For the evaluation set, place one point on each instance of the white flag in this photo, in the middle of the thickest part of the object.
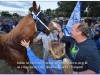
(75, 17)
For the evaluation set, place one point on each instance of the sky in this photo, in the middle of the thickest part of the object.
(21, 7)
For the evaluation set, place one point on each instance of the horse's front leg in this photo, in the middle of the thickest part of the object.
(16, 57)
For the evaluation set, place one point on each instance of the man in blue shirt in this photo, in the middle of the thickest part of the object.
(83, 51)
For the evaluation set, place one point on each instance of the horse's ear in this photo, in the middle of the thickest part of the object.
(34, 7)
(39, 8)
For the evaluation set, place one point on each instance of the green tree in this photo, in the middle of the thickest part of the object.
(68, 6)
(48, 12)
(15, 15)
(6, 13)
(94, 7)
(31, 9)
(65, 8)
(57, 12)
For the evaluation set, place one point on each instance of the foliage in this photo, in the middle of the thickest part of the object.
(31, 9)
(65, 8)
(68, 6)
(7, 14)
(15, 15)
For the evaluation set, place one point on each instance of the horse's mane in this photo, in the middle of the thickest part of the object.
(14, 32)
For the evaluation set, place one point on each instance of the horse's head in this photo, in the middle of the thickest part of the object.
(43, 23)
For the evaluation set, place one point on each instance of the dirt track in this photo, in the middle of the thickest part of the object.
(7, 69)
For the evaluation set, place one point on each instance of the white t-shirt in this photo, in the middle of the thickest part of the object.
(46, 39)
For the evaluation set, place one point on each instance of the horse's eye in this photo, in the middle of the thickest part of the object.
(45, 19)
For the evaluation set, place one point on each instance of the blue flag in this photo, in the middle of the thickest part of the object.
(75, 17)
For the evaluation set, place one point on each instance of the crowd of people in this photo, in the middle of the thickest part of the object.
(7, 25)
(74, 51)
(80, 47)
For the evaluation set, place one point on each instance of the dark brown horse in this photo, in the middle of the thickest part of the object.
(10, 49)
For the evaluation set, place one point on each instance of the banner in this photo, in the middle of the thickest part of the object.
(75, 17)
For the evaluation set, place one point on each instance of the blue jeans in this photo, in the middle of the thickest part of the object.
(45, 54)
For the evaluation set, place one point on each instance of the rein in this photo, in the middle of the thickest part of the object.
(35, 17)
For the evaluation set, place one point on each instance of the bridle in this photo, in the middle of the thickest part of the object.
(36, 18)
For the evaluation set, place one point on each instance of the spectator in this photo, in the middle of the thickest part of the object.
(54, 32)
(1, 28)
(13, 26)
(82, 50)
(96, 38)
(45, 39)
(56, 62)
(91, 23)
(66, 30)
(9, 24)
